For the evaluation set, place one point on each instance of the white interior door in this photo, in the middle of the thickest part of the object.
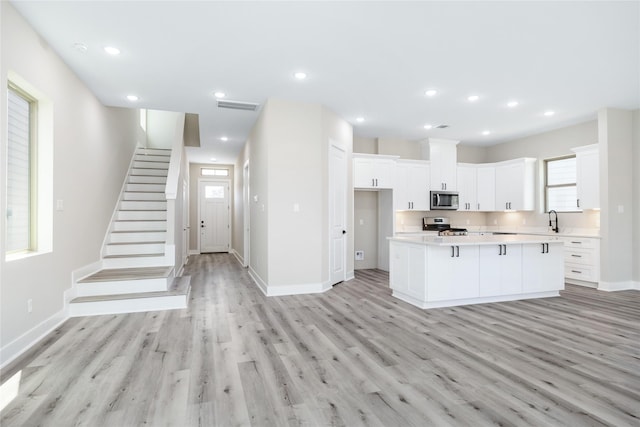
(247, 211)
(337, 213)
(214, 216)
(185, 221)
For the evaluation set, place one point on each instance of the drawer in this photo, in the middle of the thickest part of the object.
(580, 272)
(579, 256)
(579, 242)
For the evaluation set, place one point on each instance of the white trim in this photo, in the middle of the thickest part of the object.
(468, 301)
(26, 341)
(194, 252)
(258, 280)
(178, 273)
(350, 275)
(618, 286)
(301, 289)
(246, 213)
(238, 257)
(85, 271)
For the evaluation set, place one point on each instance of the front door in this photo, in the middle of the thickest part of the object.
(214, 216)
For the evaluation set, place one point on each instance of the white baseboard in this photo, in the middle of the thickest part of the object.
(482, 300)
(24, 342)
(625, 285)
(258, 281)
(305, 288)
(350, 275)
(238, 257)
(194, 252)
(85, 271)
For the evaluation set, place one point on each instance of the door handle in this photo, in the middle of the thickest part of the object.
(344, 231)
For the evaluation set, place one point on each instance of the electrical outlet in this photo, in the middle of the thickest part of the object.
(361, 221)
(29, 305)
(359, 255)
(524, 222)
(495, 222)
(468, 222)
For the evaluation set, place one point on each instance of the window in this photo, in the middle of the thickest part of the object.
(560, 185)
(21, 169)
(214, 172)
(214, 192)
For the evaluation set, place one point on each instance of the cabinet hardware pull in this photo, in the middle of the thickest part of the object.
(505, 249)
(576, 271)
(376, 182)
(577, 243)
(373, 182)
(478, 206)
(458, 251)
(453, 251)
(578, 202)
(543, 248)
(500, 249)
(576, 256)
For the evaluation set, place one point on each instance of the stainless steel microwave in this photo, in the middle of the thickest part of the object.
(444, 200)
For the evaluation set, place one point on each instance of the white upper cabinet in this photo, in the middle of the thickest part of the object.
(467, 187)
(411, 191)
(477, 187)
(372, 171)
(486, 188)
(515, 185)
(443, 162)
(588, 176)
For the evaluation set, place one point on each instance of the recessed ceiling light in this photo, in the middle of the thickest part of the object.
(549, 113)
(219, 94)
(486, 132)
(132, 98)
(213, 159)
(224, 138)
(112, 50)
(428, 126)
(360, 119)
(80, 47)
(512, 104)
(473, 98)
(431, 92)
(300, 75)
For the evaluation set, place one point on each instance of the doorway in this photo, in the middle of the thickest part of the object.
(247, 214)
(214, 216)
(337, 214)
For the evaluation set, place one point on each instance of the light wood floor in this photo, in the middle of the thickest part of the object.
(352, 356)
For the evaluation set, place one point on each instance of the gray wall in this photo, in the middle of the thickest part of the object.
(365, 216)
(92, 148)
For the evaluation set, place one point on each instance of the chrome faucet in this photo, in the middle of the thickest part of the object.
(556, 228)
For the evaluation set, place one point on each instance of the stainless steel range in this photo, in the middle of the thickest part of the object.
(442, 225)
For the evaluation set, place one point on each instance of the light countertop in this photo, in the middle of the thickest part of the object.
(512, 239)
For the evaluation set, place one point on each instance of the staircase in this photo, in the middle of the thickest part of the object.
(135, 274)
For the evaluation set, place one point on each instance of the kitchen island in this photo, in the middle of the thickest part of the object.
(435, 271)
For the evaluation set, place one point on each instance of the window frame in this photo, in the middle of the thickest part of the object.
(33, 169)
(215, 172)
(547, 186)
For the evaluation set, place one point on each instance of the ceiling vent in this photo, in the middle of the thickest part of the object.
(237, 105)
(442, 126)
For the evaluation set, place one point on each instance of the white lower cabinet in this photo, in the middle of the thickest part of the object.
(407, 272)
(542, 267)
(454, 272)
(582, 260)
(500, 270)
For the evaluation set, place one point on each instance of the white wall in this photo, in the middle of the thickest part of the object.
(161, 128)
(92, 148)
(636, 198)
(615, 131)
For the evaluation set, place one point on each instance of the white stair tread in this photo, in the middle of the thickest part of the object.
(180, 286)
(136, 243)
(138, 273)
(133, 256)
(138, 231)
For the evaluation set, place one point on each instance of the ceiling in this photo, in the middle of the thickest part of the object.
(373, 60)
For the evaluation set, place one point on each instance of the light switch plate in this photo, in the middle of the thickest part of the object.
(59, 205)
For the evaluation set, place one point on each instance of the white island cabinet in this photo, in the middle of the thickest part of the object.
(431, 272)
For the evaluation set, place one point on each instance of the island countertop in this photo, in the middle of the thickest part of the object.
(512, 239)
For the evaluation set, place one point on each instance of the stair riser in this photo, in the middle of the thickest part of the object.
(158, 261)
(146, 187)
(139, 225)
(133, 179)
(132, 237)
(154, 172)
(135, 249)
(147, 205)
(141, 215)
(150, 165)
(133, 305)
(128, 195)
(152, 158)
(123, 287)
(154, 152)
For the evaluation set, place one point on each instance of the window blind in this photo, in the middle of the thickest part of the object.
(18, 235)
